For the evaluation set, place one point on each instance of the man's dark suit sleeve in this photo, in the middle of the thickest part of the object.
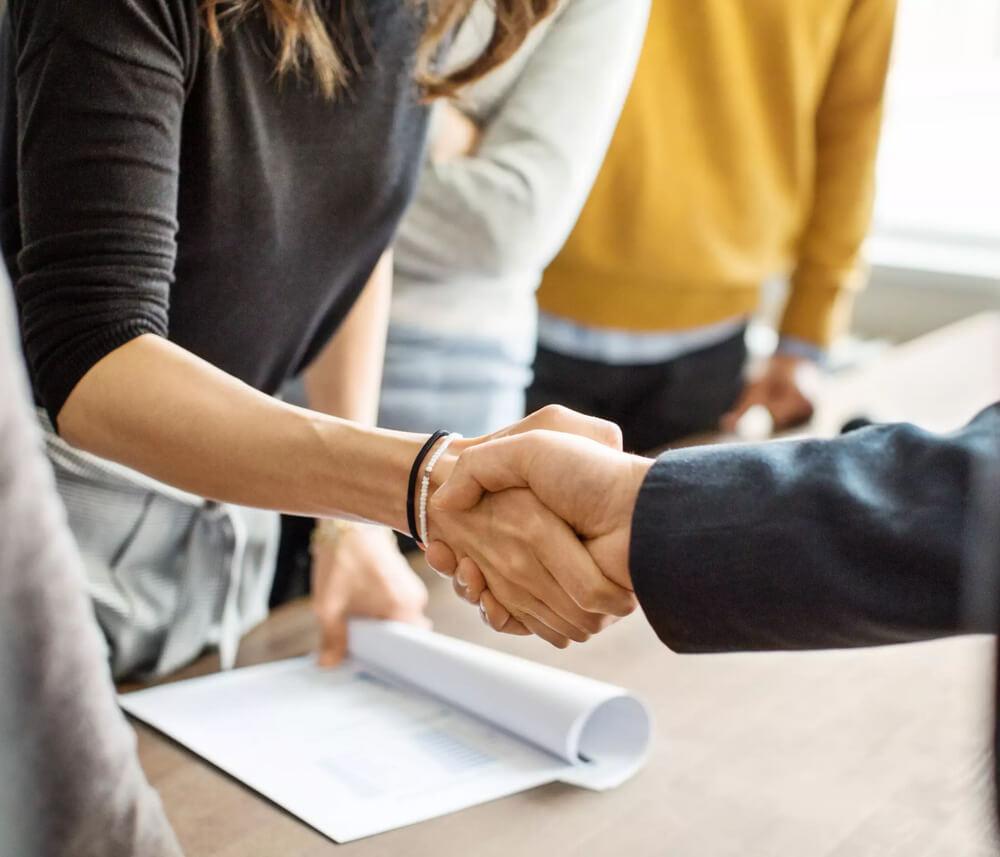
(812, 544)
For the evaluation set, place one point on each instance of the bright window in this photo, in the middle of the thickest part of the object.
(938, 203)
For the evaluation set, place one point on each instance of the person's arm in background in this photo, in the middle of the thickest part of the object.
(829, 273)
(515, 198)
(358, 569)
(811, 544)
(70, 781)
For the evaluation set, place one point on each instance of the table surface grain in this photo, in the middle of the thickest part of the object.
(829, 754)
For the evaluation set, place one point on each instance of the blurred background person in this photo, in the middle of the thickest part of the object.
(510, 161)
(746, 149)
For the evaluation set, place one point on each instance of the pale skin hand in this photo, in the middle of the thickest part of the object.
(592, 488)
(786, 388)
(363, 572)
(454, 135)
(533, 552)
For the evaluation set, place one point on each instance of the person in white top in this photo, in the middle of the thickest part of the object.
(509, 166)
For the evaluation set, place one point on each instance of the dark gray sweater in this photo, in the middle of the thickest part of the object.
(152, 184)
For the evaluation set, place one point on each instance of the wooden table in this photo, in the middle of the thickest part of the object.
(833, 754)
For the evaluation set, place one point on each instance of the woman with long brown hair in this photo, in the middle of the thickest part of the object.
(194, 198)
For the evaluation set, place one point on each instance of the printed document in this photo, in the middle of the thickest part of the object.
(414, 725)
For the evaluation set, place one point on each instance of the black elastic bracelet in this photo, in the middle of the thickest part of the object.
(411, 488)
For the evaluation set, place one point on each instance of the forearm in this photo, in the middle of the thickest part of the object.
(159, 409)
(345, 380)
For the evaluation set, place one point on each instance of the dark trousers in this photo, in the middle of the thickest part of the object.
(655, 404)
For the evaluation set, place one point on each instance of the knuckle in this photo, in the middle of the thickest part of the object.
(625, 604)
(494, 618)
(592, 623)
(518, 614)
(612, 435)
(513, 599)
(584, 595)
(520, 571)
(608, 599)
(555, 414)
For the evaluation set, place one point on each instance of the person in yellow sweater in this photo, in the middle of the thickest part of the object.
(746, 149)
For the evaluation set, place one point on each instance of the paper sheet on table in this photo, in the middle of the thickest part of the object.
(415, 725)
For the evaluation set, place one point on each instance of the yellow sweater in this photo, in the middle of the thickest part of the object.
(746, 148)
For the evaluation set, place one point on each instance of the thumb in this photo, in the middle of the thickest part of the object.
(333, 639)
(493, 466)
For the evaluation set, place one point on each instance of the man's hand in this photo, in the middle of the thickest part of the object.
(453, 134)
(786, 388)
(589, 486)
(360, 572)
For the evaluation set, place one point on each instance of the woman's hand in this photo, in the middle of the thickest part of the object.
(590, 487)
(453, 134)
(357, 570)
(530, 559)
(526, 555)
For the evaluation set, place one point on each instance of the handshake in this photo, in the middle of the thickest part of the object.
(533, 524)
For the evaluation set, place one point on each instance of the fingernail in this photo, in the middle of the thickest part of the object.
(463, 578)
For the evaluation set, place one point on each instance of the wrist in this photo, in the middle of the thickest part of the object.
(360, 473)
(636, 469)
(430, 478)
(794, 349)
(330, 534)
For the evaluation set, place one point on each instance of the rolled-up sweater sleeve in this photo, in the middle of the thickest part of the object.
(100, 91)
(812, 544)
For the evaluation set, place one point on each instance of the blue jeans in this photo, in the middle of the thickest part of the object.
(471, 386)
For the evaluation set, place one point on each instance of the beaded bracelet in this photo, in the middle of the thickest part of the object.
(425, 485)
(411, 488)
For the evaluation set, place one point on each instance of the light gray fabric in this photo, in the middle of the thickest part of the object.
(169, 573)
(471, 249)
(70, 782)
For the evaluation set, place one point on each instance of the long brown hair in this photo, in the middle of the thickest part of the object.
(304, 39)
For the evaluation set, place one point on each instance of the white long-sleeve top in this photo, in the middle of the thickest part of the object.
(471, 249)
